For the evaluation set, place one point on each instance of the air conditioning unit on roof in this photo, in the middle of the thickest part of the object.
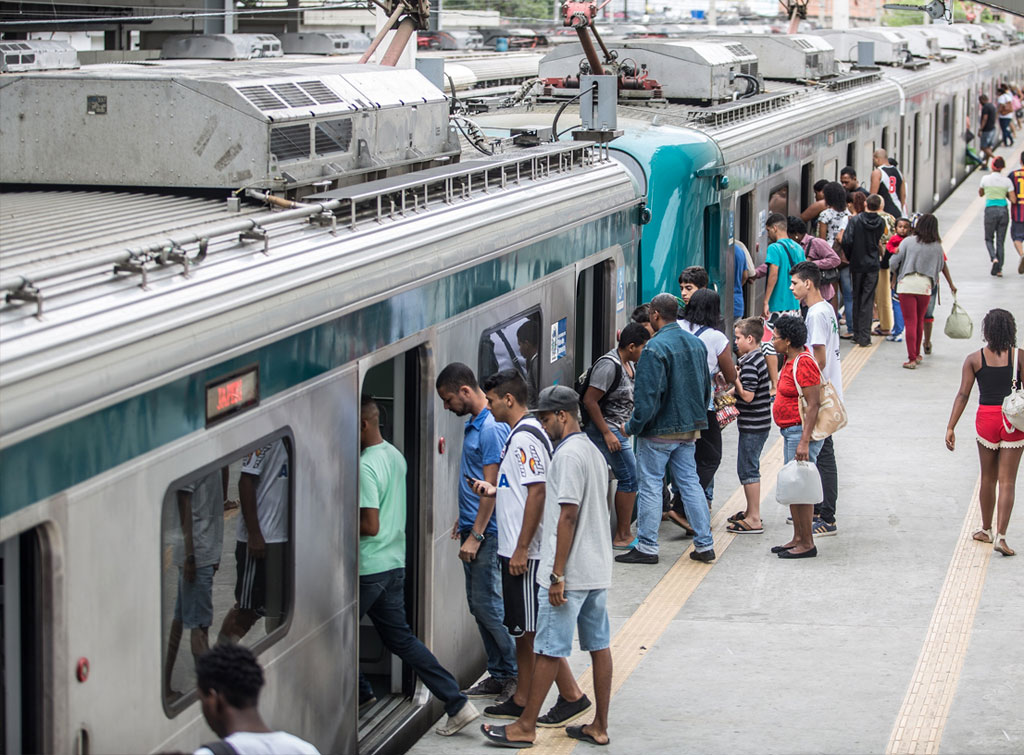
(36, 55)
(324, 43)
(789, 56)
(890, 46)
(222, 46)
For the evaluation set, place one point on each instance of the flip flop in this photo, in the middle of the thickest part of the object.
(742, 528)
(576, 732)
(629, 547)
(737, 517)
(496, 736)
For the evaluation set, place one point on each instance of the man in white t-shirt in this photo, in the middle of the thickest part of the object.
(229, 680)
(261, 542)
(823, 341)
(519, 508)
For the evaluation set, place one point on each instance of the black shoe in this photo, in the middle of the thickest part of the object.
(562, 712)
(705, 556)
(507, 709)
(366, 701)
(636, 557)
(782, 548)
(806, 554)
(489, 687)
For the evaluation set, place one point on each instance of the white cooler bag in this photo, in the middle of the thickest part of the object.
(798, 483)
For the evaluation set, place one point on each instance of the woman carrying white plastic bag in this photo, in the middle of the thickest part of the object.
(800, 367)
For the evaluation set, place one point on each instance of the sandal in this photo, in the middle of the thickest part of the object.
(742, 528)
(928, 348)
(1000, 546)
(737, 517)
(987, 533)
(911, 365)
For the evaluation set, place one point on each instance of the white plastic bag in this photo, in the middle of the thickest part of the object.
(798, 483)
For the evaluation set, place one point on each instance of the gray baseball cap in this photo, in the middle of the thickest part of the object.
(556, 398)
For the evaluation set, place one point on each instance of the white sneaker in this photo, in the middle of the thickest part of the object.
(466, 715)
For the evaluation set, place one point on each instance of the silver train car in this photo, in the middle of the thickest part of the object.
(150, 342)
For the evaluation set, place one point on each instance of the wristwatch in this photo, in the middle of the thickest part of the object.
(556, 580)
(476, 536)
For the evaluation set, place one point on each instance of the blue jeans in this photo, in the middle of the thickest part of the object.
(483, 593)
(791, 439)
(897, 315)
(652, 458)
(382, 596)
(846, 287)
(622, 462)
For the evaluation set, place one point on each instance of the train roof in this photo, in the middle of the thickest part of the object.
(126, 287)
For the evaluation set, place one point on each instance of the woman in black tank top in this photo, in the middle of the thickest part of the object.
(1000, 445)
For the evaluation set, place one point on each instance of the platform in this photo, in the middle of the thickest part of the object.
(902, 636)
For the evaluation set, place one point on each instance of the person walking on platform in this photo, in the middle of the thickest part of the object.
(671, 395)
(1004, 107)
(862, 243)
(800, 369)
(1017, 213)
(987, 127)
(823, 342)
(476, 527)
(915, 268)
(999, 444)
(382, 510)
(999, 193)
(887, 182)
(519, 509)
(574, 575)
(819, 252)
(608, 402)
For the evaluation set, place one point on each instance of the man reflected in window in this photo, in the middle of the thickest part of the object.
(197, 556)
(262, 538)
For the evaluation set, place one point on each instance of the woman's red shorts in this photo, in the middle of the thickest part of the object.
(991, 429)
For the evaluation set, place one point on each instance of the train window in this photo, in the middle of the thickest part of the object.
(514, 343)
(225, 560)
(24, 613)
(595, 313)
(851, 154)
(806, 185)
(885, 137)
(830, 171)
(778, 199)
(946, 125)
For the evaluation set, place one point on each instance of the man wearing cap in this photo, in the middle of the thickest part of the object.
(575, 570)
(671, 393)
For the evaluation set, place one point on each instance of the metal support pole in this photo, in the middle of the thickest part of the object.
(604, 49)
(382, 33)
(590, 51)
(403, 33)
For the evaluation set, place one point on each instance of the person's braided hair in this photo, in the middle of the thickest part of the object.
(999, 330)
(233, 671)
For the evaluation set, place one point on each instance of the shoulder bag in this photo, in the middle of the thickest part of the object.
(1013, 405)
(832, 415)
(958, 324)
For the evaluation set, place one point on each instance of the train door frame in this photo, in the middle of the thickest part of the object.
(936, 150)
(27, 650)
(416, 355)
(587, 274)
(744, 232)
(915, 156)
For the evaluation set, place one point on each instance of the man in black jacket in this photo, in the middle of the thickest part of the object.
(862, 244)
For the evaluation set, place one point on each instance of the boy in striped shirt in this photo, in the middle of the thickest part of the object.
(753, 399)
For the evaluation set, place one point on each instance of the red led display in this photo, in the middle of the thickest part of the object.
(232, 393)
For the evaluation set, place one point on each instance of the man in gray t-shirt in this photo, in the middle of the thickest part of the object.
(575, 569)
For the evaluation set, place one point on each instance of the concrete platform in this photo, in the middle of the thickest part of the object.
(845, 653)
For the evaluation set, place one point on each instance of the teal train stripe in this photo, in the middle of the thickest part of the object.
(67, 455)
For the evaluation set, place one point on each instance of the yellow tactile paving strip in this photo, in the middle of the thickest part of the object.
(922, 717)
(664, 602)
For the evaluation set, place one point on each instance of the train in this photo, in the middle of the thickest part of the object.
(227, 254)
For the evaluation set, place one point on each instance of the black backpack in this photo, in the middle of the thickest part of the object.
(583, 382)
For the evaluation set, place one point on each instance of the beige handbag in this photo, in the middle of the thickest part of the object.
(832, 415)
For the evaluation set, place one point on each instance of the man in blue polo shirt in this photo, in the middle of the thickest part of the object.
(477, 528)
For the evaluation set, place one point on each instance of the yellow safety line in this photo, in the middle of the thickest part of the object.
(922, 717)
(643, 629)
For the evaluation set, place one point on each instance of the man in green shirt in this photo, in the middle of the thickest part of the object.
(382, 471)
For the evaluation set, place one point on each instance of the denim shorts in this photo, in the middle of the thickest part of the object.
(791, 439)
(194, 606)
(586, 610)
(988, 139)
(1017, 230)
(929, 315)
(748, 456)
(622, 462)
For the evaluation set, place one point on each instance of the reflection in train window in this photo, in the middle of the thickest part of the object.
(224, 560)
(778, 199)
(514, 343)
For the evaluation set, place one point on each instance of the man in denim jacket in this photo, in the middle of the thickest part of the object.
(671, 395)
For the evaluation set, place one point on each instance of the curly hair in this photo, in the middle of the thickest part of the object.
(793, 329)
(835, 196)
(233, 671)
(704, 308)
(999, 330)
